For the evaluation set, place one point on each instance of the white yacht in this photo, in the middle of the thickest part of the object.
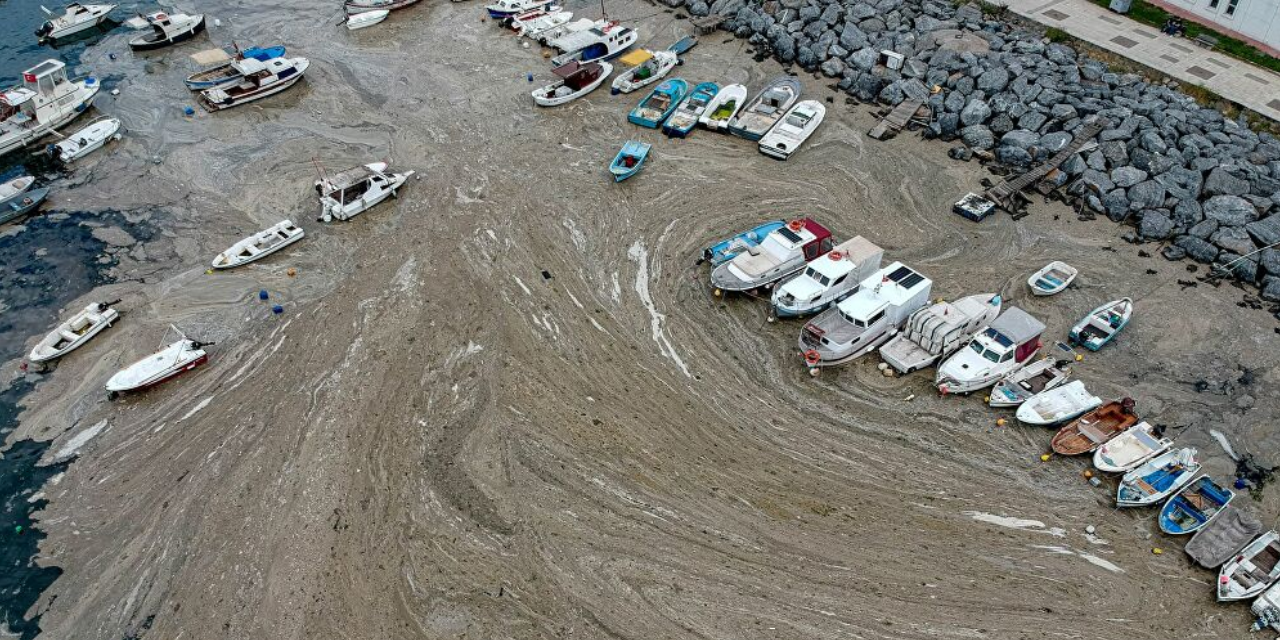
(46, 100)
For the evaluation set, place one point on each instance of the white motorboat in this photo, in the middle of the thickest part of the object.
(724, 107)
(365, 19)
(936, 331)
(14, 188)
(531, 27)
(218, 68)
(46, 101)
(995, 352)
(596, 43)
(1039, 376)
(759, 115)
(647, 67)
(829, 279)
(173, 360)
(507, 8)
(259, 245)
(1058, 405)
(1252, 570)
(349, 193)
(1158, 478)
(166, 29)
(793, 129)
(576, 80)
(353, 7)
(75, 18)
(865, 320)
(1052, 279)
(75, 332)
(87, 140)
(1130, 449)
(261, 78)
(552, 34)
(782, 253)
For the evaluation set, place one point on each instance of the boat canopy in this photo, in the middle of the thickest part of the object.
(349, 178)
(210, 56)
(249, 66)
(1017, 325)
(636, 58)
(567, 69)
(16, 96)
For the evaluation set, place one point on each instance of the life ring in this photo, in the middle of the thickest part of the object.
(795, 225)
(812, 357)
(836, 255)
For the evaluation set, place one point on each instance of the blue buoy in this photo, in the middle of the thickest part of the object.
(1240, 483)
(531, 77)
(111, 55)
(277, 309)
(188, 110)
(262, 295)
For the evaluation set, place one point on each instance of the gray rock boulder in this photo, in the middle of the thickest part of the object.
(1233, 239)
(1270, 289)
(1154, 225)
(994, 80)
(1020, 138)
(977, 136)
(976, 112)
(1013, 156)
(1196, 248)
(1147, 194)
(1230, 211)
(852, 38)
(833, 67)
(1183, 184)
(1127, 176)
(1032, 120)
(863, 58)
(1220, 182)
(1055, 142)
(1266, 231)
(1203, 229)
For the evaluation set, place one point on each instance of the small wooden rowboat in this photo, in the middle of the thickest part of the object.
(1037, 377)
(629, 160)
(259, 245)
(365, 19)
(1095, 428)
(1194, 507)
(75, 332)
(1053, 278)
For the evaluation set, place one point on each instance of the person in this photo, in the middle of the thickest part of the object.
(1169, 28)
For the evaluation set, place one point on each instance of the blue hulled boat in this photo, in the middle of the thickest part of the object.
(629, 160)
(659, 104)
(726, 249)
(686, 116)
(1193, 507)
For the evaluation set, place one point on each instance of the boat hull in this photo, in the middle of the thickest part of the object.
(232, 264)
(67, 32)
(142, 44)
(109, 318)
(258, 95)
(38, 133)
(16, 208)
(361, 7)
(160, 378)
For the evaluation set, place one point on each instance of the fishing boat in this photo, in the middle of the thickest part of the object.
(365, 19)
(629, 160)
(1057, 405)
(646, 68)
(764, 110)
(169, 362)
(727, 249)
(934, 332)
(596, 43)
(506, 8)
(689, 110)
(723, 107)
(1053, 278)
(531, 27)
(259, 245)
(1102, 324)
(14, 188)
(218, 69)
(365, 6)
(827, 280)
(1094, 429)
(1157, 479)
(75, 18)
(783, 252)
(46, 101)
(865, 320)
(659, 104)
(349, 193)
(1196, 505)
(87, 140)
(548, 36)
(1039, 376)
(22, 204)
(75, 332)
(994, 353)
(260, 80)
(1217, 542)
(576, 80)
(1252, 570)
(166, 29)
(1139, 443)
(793, 129)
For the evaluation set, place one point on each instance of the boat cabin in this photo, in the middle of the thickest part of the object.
(882, 303)
(834, 274)
(42, 86)
(347, 186)
(577, 75)
(773, 100)
(800, 116)
(1015, 335)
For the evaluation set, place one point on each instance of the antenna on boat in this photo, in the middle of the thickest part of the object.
(603, 14)
(319, 168)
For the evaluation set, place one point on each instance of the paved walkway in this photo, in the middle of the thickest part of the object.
(1238, 81)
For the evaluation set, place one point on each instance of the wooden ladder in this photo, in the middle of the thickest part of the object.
(1003, 193)
(891, 124)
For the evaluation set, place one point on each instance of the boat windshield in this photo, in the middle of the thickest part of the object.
(817, 277)
(997, 337)
(774, 248)
(799, 119)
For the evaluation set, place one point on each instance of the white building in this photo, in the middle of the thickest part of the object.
(1256, 21)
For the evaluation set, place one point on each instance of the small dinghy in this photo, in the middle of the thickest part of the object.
(759, 115)
(1218, 542)
(219, 69)
(365, 19)
(259, 245)
(690, 109)
(629, 160)
(1058, 405)
(166, 29)
(1053, 278)
(87, 140)
(507, 8)
(723, 107)
(1126, 451)
(22, 204)
(659, 104)
(365, 6)
(1039, 376)
(74, 333)
(646, 68)
(1251, 571)
(177, 358)
(1102, 324)
(795, 127)
(349, 193)
(1094, 429)
(75, 18)
(1196, 505)
(260, 80)
(1157, 479)
(10, 190)
(726, 249)
(780, 254)
(576, 80)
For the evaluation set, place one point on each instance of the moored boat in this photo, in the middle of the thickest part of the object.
(576, 80)
(689, 110)
(219, 69)
(723, 107)
(629, 160)
(169, 362)
(1057, 405)
(646, 68)
(1037, 377)
(364, 6)
(1053, 278)
(1217, 542)
(597, 43)
(14, 188)
(531, 27)
(865, 320)
(1196, 505)
(166, 29)
(552, 34)
(935, 332)
(1001, 348)
(782, 253)
(88, 139)
(75, 18)
(764, 110)
(1092, 430)
(75, 332)
(793, 129)
(22, 204)
(46, 101)
(1157, 479)
(259, 245)
(365, 19)
(1139, 443)
(260, 79)
(1102, 324)
(1252, 570)
(349, 193)
(726, 249)
(654, 109)
(828, 279)
(507, 8)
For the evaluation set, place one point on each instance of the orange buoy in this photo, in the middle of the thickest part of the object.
(836, 255)
(796, 225)
(812, 357)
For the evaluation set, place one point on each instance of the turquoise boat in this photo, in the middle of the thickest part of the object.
(659, 104)
(1102, 324)
(629, 160)
(686, 116)
(726, 249)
